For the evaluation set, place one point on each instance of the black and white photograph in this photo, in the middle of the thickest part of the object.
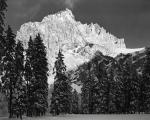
(74, 59)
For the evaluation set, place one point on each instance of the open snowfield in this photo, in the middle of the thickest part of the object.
(89, 117)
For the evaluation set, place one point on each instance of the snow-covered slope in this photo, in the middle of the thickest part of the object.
(127, 50)
(78, 41)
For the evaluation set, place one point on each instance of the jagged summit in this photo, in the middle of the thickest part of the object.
(78, 41)
(62, 15)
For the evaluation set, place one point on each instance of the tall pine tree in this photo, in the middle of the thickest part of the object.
(146, 83)
(117, 89)
(29, 76)
(101, 86)
(126, 75)
(40, 72)
(36, 69)
(3, 8)
(9, 77)
(61, 96)
(19, 90)
(75, 102)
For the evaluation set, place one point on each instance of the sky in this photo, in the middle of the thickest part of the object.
(128, 19)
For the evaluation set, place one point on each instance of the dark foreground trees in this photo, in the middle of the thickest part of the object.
(3, 8)
(9, 75)
(25, 87)
(146, 83)
(40, 72)
(61, 96)
(36, 69)
(19, 90)
(75, 103)
(28, 77)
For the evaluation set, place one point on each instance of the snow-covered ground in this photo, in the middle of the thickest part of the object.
(92, 117)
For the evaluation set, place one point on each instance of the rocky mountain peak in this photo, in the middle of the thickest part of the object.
(62, 15)
(78, 41)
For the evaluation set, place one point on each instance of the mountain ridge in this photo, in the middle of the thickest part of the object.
(78, 41)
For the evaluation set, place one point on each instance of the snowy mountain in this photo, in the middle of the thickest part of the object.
(78, 41)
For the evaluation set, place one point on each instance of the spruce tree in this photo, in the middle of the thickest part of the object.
(85, 98)
(9, 77)
(126, 82)
(83, 77)
(117, 90)
(101, 84)
(146, 83)
(40, 72)
(135, 92)
(89, 88)
(75, 102)
(95, 87)
(28, 77)
(61, 96)
(3, 8)
(19, 92)
(36, 69)
(110, 92)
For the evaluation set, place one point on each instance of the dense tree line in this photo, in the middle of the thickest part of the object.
(115, 85)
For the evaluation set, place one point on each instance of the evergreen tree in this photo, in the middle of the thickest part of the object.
(19, 90)
(86, 77)
(9, 77)
(75, 102)
(117, 90)
(146, 83)
(36, 69)
(82, 76)
(28, 77)
(140, 94)
(89, 88)
(61, 96)
(40, 72)
(3, 8)
(126, 82)
(101, 86)
(96, 86)
(135, 92)
(110, 92)
(85, 98)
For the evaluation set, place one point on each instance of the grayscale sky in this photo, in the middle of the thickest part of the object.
(129, 19)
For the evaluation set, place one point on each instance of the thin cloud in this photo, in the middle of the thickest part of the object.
(70, 3)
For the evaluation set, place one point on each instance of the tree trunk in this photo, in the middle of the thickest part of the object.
(10, 100)
(90, 92)
(28, 114)
(20, 113)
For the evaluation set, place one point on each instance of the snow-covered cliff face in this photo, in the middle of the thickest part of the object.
(78, 41)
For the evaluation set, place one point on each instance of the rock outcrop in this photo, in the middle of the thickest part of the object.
(78, 41)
